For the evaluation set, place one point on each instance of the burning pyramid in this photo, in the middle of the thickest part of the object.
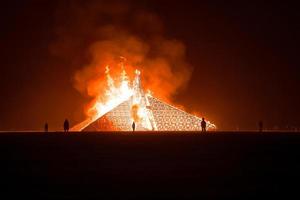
(148, 113)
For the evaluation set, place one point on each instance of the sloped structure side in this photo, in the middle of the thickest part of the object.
(168, 118)
(164, 117)
(118, 119)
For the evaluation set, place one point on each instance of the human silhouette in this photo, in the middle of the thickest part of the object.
(133, 126)
(66, 125)
(46, 127)
(203, 125)
(260, 126)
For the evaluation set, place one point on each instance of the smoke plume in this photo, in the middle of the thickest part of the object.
(94, 34)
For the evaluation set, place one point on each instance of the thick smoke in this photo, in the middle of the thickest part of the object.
(94, 34)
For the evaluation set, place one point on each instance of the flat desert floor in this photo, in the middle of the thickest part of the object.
(160, 165)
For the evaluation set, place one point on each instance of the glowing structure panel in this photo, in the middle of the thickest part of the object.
(169, 118)
(118, 119)
(163, 117)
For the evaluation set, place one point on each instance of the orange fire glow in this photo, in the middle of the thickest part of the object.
(116, 92)
(117, 89)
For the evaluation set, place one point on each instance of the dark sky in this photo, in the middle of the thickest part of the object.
(245, 58)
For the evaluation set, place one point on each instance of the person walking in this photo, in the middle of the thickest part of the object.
(66, 125)
(203, 125)
(133, 126)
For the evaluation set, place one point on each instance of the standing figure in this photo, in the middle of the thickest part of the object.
(203, 125)
(133, 126)
(260, 126)
(46, 127)
(66, 125)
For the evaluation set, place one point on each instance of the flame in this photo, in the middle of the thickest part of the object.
(115, 94)
(118, 90)
(98, 45)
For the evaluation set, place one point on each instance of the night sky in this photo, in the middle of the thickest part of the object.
(244, 55)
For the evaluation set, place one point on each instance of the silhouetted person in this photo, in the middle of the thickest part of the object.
(66, 125)
(203, 125)
(260, 126)
(133, 126)
(46, 127)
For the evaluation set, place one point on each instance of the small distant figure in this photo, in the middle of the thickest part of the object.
(203, 125)
(46, 127)
(260, 126)
(133, 126)
(66, 125)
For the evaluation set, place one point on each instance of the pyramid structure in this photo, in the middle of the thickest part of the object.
(158, 115)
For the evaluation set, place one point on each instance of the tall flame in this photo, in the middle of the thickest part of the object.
(115, 94)
(118, 90)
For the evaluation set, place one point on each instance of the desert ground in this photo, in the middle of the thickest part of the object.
(153, 165)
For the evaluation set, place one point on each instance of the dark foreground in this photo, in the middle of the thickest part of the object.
(166, 166)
